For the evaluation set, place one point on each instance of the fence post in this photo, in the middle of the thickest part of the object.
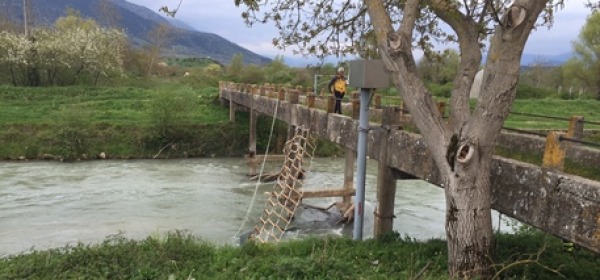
(554, 152)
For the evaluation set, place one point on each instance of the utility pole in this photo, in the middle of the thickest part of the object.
(366, 75)
(25, 17)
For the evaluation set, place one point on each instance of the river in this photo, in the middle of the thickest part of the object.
(52, 204)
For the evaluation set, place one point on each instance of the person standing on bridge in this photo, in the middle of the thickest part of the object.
(337, 87)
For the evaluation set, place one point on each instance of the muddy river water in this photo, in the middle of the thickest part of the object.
(51, 204)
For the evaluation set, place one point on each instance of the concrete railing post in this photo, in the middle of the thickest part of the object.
(330, 104)
(391, 116)
(377, 101)
(310, 100)
(355, 107)
(293, 96)
(554, 152)
(262, 91)
(281, 94)
(575, 127)
(441, 106)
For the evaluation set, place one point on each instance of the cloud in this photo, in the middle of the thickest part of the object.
(557, 40)
(224, 18)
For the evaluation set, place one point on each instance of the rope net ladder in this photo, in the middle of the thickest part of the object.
(287, 192)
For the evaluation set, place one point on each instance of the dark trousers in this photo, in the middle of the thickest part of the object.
(338, 102)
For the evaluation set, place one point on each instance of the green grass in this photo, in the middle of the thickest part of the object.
(552, 107)
(124, 122)
(181, 256)
(118, 106)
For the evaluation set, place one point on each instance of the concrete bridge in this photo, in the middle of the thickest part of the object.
(561, 204)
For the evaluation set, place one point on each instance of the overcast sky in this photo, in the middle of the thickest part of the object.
(223, 18)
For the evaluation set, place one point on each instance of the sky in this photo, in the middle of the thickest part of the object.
(224, 19)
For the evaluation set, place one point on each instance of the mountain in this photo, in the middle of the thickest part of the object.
(547, 60)
(137, 22)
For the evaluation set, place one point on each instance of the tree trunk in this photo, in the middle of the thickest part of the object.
(468, 217)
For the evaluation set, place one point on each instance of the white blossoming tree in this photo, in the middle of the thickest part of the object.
(74, 51)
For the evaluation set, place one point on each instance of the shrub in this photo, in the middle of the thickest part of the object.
(444, 90)
(71, 137)
(170, 112)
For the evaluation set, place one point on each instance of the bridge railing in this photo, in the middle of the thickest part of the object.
(552, 148)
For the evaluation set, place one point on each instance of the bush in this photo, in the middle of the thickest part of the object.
(71, 138)
(438, 90)
(170, 112)
(528, 92)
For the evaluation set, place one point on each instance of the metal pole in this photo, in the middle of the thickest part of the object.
(25, 18)
(361, 163)
(316, 84)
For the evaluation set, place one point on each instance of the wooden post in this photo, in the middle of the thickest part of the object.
(232, 108)
(575, 127)
(386, 196)
(554, 152)
(252, 139)
(349, 174)
(386, 181)
(329, 193)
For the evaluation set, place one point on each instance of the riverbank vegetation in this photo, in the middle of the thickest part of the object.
(525, 255)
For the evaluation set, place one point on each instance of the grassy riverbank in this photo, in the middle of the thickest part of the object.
(179, 256)
(124, 122)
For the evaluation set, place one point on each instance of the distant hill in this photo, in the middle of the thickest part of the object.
(546, 60)
(137, 21)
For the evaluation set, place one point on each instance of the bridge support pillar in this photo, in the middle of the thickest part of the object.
(232, 108)
(386, 196)
(349, 174)
(252, 141)
(386, 179)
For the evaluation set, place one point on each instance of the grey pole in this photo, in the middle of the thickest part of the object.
(315, 84)
(361, 163)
